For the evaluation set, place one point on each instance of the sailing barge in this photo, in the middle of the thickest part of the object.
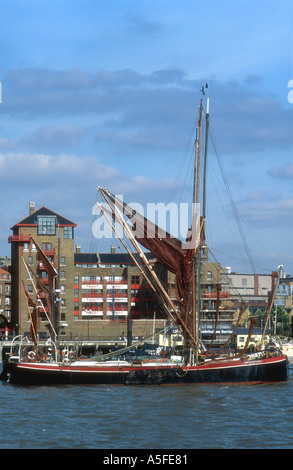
(195, 364)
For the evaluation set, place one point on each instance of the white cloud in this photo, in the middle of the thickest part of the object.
(283, 172)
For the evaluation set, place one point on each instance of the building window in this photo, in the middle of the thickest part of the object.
(62, 261)
(244, 281)
(30, 260)
(209, 275)
(62, 275)
(25, 246)
(63, 289)
(46, 225)
(46, 246)
(68, 232)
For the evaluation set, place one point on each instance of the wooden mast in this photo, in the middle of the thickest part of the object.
(205, 162)
(197, 258)
(195, 201)
(272, 299)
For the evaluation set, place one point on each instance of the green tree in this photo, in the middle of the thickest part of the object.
(283, 321)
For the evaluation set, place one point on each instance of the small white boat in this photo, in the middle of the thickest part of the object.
(287, 349)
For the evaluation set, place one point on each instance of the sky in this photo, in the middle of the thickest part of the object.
(106, 93)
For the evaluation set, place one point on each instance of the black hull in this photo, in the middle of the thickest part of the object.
(249, 372)
(252, 373)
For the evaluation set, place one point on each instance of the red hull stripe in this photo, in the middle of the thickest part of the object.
(126, 369)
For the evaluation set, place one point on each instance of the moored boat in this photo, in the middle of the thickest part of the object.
(287, 348)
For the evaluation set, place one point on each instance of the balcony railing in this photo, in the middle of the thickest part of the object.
(19, 238)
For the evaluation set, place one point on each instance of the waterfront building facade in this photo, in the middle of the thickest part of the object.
(5, 295)
(254, 289)
(54, 235)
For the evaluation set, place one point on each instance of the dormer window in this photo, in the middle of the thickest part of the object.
(46, 225)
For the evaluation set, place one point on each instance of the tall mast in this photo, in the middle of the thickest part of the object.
(197, 259)
(198, 150)
(205, 162)
(195, 311)
(195, 166)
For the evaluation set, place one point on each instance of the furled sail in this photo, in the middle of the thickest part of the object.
(175, 255)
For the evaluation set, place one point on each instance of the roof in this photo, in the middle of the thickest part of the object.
(3, 272)
(32, 219)
(108, 258)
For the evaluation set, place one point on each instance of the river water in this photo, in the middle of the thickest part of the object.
(147, 417)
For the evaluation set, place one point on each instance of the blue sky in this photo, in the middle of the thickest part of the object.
(106, 93)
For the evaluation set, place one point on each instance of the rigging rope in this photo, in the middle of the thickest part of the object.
(234, 209)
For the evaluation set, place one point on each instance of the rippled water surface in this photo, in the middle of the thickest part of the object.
(147, 417)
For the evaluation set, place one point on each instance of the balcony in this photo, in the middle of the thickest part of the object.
(50, 252)
(117, 295)
(19, 238)
(213, 295)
